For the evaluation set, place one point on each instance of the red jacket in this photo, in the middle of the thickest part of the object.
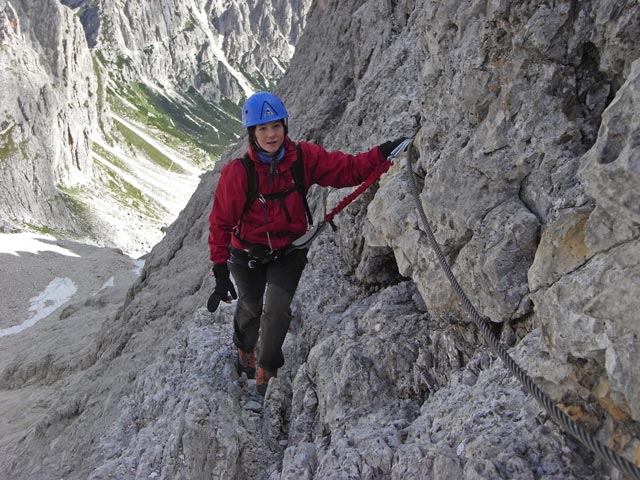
(266, 223)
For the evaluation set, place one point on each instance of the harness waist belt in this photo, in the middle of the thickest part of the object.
(256, 256)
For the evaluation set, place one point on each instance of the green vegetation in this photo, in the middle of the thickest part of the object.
(79, 210)
(184, 121)
(140, 144)
(188, 123)
(76, 206)
(121, 61)
(97, 54)
(128, 195)
(7, 145)
(54, 232)
(70, 191)
(190, 26)
(108, 156)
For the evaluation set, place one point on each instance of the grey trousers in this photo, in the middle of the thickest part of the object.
(263, 312)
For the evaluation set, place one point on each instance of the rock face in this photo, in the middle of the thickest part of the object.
(89, 13)
(513, 152)
(224, 50)
(72, 100)
(48, 112)
(527, 160)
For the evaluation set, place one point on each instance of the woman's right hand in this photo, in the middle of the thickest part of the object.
(224, 287)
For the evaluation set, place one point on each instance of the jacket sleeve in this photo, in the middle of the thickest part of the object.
(337, 169)
(228, 204)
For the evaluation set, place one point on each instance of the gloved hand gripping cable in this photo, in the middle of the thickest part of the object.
(400, 146)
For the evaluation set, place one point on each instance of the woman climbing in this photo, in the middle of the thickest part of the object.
(259, 209)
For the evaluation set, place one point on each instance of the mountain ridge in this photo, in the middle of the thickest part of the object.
(90, 63)
(526, 160)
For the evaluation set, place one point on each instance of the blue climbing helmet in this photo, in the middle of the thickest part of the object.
(263, 107)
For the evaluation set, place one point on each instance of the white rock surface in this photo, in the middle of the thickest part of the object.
(528, 176)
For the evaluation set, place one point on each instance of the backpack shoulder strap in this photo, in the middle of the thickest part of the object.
(297, 170)
(252, 181)
(252, 190)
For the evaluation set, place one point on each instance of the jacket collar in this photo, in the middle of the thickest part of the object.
(289, 147)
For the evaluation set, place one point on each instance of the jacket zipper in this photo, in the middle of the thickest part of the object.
(266, 218)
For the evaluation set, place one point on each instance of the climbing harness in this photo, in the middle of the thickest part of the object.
(556, 413)
(305, 240)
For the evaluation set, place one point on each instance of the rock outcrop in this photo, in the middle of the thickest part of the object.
(508, 101)
(48, 88)
(82, 110)
(527, 159)
(223, 50)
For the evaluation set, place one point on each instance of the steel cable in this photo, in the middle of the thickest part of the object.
(543, 399)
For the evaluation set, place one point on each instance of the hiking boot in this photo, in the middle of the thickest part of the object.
(246, 362)
(262, 380)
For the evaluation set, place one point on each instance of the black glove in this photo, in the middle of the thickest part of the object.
(224, 288)
(387, 147)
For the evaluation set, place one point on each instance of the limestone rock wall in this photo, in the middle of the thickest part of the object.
(224, 50)
(48, 88)
(526, 151)
(60, 58)
(525, 116)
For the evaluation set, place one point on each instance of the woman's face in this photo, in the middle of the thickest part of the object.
(270, 136)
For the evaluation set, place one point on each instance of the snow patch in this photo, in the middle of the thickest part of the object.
(57, 293)
(26, 242)
(107, 284)
(138, 266)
